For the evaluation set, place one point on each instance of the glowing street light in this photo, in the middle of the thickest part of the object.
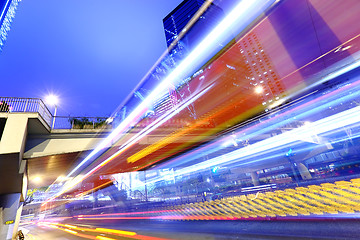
(37, 180)
(53, 101)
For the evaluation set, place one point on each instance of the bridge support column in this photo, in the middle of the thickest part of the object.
(9, 212)
(14, 181)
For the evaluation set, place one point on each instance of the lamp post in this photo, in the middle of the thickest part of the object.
(53, 101)
(53, 123)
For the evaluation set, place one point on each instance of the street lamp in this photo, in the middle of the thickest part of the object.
(53, 101)
(37, 180)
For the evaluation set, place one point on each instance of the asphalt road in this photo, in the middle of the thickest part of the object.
(157, 230)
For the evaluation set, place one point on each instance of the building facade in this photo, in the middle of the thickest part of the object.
(176, 21)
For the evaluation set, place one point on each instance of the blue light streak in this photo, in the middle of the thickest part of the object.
(313, 107)
(245, 12)
(325, 125)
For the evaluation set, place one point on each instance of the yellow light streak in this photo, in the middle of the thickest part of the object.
(70, 231)
(70, 226)
(104, 238)
(106, 230)
(93, 189)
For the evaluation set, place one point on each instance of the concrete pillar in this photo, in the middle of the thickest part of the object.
(14, 135)
(255, 178)
(9, 206)
(17, 219)
(13, 189)
(21, 204)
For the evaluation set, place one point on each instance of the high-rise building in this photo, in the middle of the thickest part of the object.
(7, 13)
(174, 24)
(260, 70)
(176, 20)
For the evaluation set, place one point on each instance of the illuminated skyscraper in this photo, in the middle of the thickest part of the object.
(7, 13)
(174, 24)
(260, 70)
(176, 20)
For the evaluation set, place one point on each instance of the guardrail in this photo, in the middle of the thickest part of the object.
(15, 104)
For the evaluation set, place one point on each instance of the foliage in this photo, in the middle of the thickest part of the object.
(81, 123)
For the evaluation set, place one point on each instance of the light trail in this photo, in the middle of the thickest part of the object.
(162, 120)
(243, 13)
(278, 141)
(313, 107)
(246, 11)
(254, 151)
(336, 121)
(108, 231)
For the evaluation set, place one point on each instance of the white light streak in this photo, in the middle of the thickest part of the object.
(324, 125)
(243, 13)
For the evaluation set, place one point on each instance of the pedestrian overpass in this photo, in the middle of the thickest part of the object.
(32, 153)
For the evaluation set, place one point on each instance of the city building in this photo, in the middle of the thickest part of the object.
(261, 72)
(176, 20)
(175, 24)
(246, 53)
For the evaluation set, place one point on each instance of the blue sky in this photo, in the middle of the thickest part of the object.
(90, 53)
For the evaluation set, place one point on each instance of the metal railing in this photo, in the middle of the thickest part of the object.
(81, 123)
(15, 104)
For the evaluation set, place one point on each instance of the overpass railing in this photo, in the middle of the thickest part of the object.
(16, 104)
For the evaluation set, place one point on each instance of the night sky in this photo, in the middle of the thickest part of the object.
(91, 53)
